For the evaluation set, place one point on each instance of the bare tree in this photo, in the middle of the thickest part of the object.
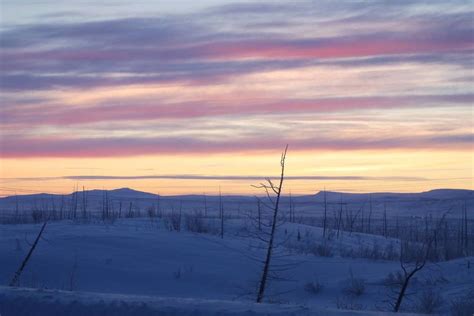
(158, 207)
(61, 208)
(339, 217)
(466, 234)
(205, 204)
(409, 271)
(16, 277)
(130, 212)
(351, 219)
(17, 209)
(325, 214)
(370, 213)
(221, 213)
(292, 210)
(74, 202)
(271, 188)
(84, 203)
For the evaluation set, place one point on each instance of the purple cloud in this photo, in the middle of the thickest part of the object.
(117, 147)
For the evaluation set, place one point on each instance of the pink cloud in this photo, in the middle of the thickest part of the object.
(120, 147)
(138, 111)
(331, 49)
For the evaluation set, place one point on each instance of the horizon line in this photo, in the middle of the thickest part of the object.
(35, 192)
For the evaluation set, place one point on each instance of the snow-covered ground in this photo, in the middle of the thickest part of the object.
(22, 301)
(145, 268)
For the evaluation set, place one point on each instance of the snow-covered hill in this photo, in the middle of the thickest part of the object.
(28, 302)
(134, 259)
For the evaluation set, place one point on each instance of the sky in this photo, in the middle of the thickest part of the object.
(178, 97)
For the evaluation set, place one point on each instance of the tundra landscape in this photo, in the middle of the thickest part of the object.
(196, 254)
(236, 157)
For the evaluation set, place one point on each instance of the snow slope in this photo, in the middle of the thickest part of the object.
(140, 257)
(29, 302)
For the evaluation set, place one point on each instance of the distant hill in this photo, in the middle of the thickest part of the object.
(116, 193)
(438, 194)
(436, 202)
(122, 193)
(331, 196)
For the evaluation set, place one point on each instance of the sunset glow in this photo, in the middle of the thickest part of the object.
(187, 98)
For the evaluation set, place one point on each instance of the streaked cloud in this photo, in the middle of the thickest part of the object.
(143, 110)
(118, 147)
(215, 177)
(231, 78)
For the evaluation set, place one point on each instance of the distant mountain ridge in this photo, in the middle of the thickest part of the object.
(436, 202)
(436, 194)
(128, 193)
(121, 192)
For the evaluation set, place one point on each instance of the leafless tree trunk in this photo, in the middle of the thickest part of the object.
(277, 191)
(74, 202)
(370, 214)
(130, 213)
(53, 214)
(221, 213)
(339, 220)
(84, 203)
(325, 214)
(16, 277)
(352, 219)
(466, 236)
(408, 274)
(397, 227)
(158, 207)
(419, 264)
(106, 204)
(17, 209)
(292, 212)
